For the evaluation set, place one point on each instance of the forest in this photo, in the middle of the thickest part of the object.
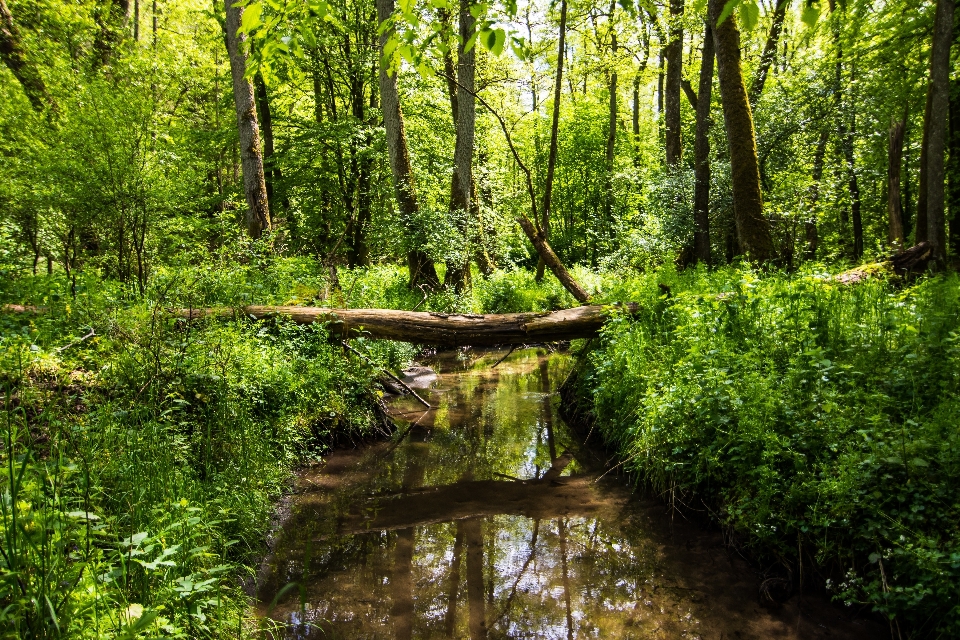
(761, 197)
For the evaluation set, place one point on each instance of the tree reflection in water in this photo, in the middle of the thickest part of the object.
(488, 500)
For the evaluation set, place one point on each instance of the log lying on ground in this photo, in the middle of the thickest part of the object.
(442, 329)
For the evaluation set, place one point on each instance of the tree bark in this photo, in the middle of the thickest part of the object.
(894, 207)
(112, 18)
(15, 57)
(458, 270)
(953, 169)
(674, 58)
(251, 154)
(701, 199)
(847, 135)
(421, 269)
(769, 52)
(921, 228)
(611, 126)
(935, 128)
(436, 328)
(753, 229)
(266, 121)
(551, 260)
(554, 135)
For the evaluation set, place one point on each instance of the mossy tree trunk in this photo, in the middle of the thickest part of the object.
(753, 229)
(251, 152)
(701, 198)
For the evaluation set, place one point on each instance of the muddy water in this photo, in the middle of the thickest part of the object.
(490, 519)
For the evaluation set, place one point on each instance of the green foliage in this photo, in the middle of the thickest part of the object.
(141, 464)
(805, 414)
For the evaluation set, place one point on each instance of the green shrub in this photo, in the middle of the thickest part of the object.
(806, 414)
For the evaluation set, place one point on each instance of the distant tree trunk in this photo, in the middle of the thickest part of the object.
(660, 96)
(611, 128)
(701, 199)
(769, 52)
(935, 128)
(636, 120)
(921, 233)
(136, 20)
(14, 56)
(953, 169)
(155, 14)
(421, 268)
(554, 134)
(848, 135)
(251, 154)
(112, 18)
(753, 229)
(266, 125)
(674, 57)
(458, 270)
(894, 208)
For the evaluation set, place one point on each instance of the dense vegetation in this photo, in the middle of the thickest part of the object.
(483, 157)
(816, 420)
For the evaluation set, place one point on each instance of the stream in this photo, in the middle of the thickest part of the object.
(487, 517)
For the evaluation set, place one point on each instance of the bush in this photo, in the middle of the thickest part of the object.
(806, 415)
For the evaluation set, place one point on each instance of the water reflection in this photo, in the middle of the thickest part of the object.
(486, 521)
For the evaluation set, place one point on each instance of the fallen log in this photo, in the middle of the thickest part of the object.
(442, 329)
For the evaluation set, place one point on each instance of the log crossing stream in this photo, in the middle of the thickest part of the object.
(491, 519)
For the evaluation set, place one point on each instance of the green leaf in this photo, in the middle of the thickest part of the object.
(728, 8)
(308, 38)
(251, 17)
(919, 462)
(749, 15)
(810, 14)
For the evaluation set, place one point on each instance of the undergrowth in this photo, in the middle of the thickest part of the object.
(816, 421)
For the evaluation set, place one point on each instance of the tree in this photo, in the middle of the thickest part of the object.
(554, 133)
(753, 229)
(251, 154)
(674, 59)
(14, 56)
(419, 264)
(701, 200)
(769, 52)
(458, 271)
(894, 206)
(935, 131)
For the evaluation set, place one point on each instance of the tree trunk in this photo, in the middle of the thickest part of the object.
(769, 52)
(611, 128)
(251, 154)
(894, 208)
(554, 134)
(921, 228)
(674, 58)
(636, 121)
(437, 328)
(112, 18)
(458, 270)
(420, 266)
(935, 128)
(701, 200)
(848, 135)
(753, 229)
(953, 169)
(14, 56)
(266, 123)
